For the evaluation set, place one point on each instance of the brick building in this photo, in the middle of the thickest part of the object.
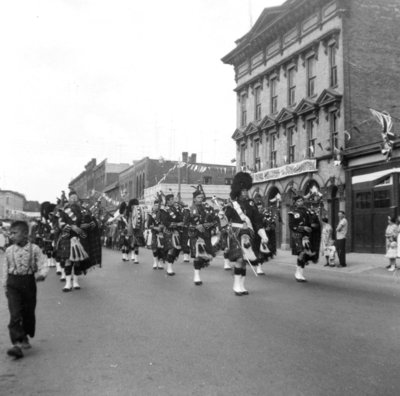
(146, 177)
(96, 177)
(306, 72)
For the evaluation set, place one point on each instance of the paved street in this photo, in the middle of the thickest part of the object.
(135, 331)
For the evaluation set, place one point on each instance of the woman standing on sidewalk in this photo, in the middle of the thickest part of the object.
(391, 232)
(326, 236)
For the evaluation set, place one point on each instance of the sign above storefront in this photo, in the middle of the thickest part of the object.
(297, 168)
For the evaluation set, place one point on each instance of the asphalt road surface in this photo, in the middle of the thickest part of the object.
(131, 330)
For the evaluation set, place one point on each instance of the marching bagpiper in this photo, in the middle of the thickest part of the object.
(246, 230)
(172, 220)
(79, 245)
(135, 219)
(300, 227)
(123, 239)
(48, 232)
(201, 221)
(157, 236)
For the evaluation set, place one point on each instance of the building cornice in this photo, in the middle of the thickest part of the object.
(287, 61)
(290, 14)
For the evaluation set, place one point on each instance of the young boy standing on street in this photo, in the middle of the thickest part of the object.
(23, 260)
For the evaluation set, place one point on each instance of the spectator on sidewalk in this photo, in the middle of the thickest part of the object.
(341, 233)
(330, 254)
(326, 236)
(391, 254)
(391, 233)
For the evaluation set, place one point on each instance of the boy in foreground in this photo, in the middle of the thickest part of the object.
(23, 267)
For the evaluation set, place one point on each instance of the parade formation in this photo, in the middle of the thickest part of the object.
(72, 232)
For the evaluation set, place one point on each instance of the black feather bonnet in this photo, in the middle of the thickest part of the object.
(241, 181)
(122, 207)
(46, 208)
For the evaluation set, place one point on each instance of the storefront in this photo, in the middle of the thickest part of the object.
(373, 191)
(321, 184)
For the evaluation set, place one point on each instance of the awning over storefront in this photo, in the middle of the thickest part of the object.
(369, 177)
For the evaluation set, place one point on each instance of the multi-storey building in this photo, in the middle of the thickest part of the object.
(301, 74)
(10, 203)
(148, 176)
(96, 177)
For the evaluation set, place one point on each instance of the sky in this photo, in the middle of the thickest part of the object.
(117, 80)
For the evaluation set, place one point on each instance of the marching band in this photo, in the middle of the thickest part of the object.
(72, 233)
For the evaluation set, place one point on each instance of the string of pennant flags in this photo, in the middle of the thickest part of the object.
(104, 196)
(196, 168)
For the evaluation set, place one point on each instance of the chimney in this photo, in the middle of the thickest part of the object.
(185, 155)
(193, 158)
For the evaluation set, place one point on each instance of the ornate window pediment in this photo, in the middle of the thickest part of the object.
(268, 123)
(238, 134)
(307, 106)
(286, 115)
(251, 129)
(329, 97)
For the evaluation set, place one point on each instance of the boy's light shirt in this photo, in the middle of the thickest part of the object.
(21, 264)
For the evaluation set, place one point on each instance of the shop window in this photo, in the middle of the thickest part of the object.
(363, 200)
(228, 181)
(207, 179)
(382, 199)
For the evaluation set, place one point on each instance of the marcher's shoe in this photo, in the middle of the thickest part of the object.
(68, 286)
(197, 281)
(392, 268)
(25, 343)
(15, 352)
(299, 275)
(326, 265)
(160, 266)
(388, 266)
(259, 270)
(170, 271)
(236, 285)
(75, 283)
(227, 264)
(242, 288)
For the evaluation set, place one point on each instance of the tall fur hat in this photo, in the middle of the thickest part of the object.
(168, 196)
(241, 181)
(72, 192)
(133, 202)
(46, 208)
(122, 207)
(198, 190)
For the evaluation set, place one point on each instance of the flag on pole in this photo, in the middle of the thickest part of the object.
(388, 137)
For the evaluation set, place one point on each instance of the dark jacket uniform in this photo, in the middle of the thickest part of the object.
(249, 208)
(299, 217)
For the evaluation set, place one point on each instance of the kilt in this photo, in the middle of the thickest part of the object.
(63, 248)
(235, 251)
(137, 238)
(296, 243)
(208, 245)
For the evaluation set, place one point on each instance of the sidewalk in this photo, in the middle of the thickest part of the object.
(356, 263)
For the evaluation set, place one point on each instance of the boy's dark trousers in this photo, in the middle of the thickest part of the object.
(21, 294)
